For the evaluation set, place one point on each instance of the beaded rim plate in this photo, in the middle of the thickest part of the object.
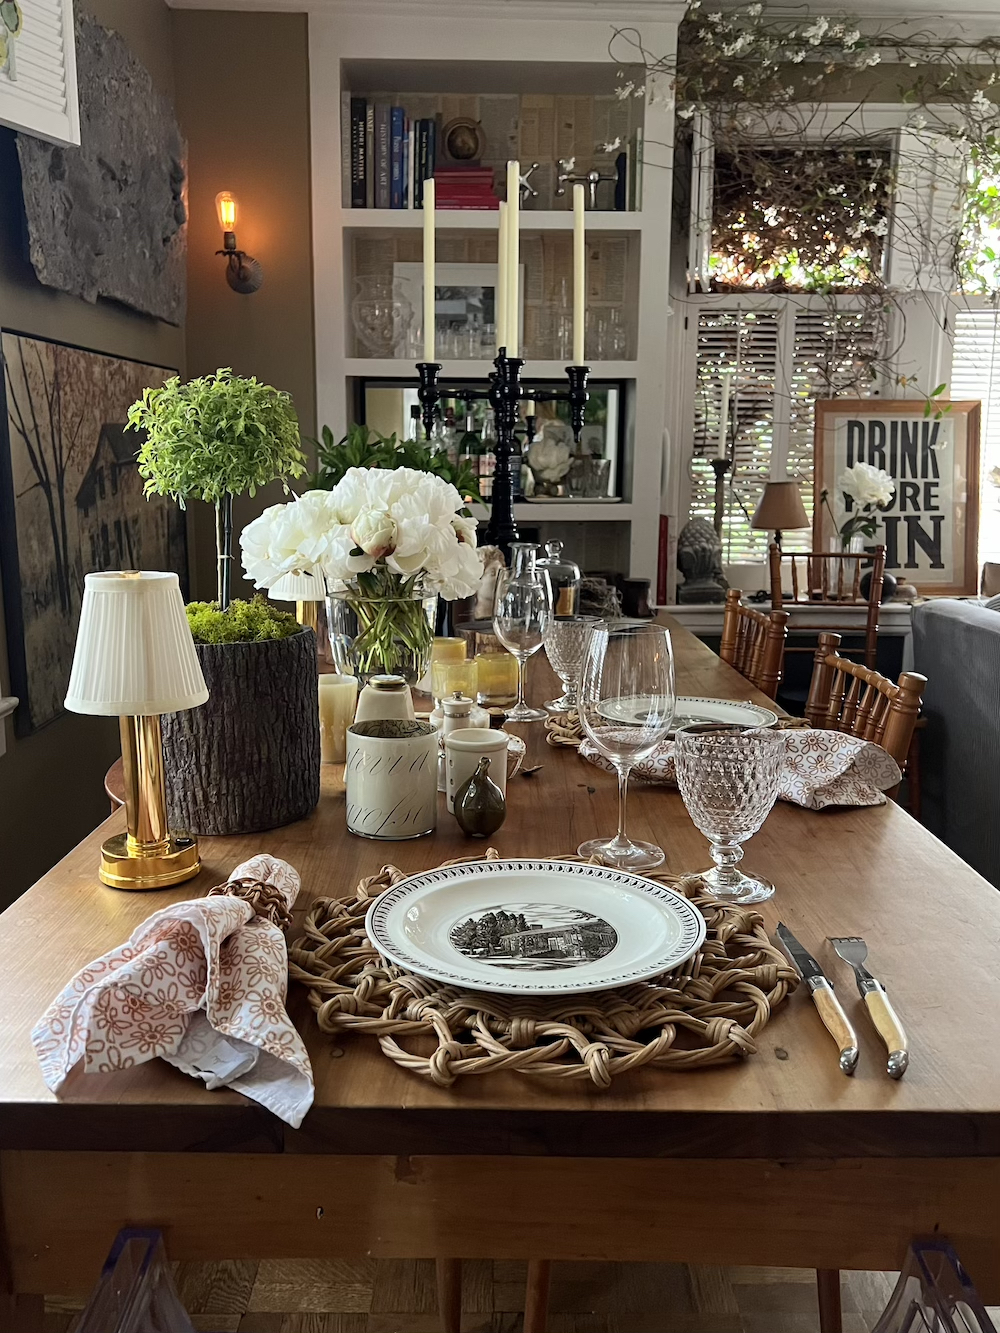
(690, 709)
(526, 927)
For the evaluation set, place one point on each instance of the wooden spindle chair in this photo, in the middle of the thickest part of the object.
(830, 579)
(846, 696)
(754, 642)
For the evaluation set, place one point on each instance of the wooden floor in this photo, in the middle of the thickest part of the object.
(398, 1297)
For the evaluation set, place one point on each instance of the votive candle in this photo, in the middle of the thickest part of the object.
(497, 677)
(449, 678)
(449, 650)
(338, 697)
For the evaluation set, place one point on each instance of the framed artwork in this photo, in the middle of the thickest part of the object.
(38, 87)
(71, 501)
(930, 528)
(464, 304)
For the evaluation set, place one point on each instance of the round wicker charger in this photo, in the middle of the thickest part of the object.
(706, 1012)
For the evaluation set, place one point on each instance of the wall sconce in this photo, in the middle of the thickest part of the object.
(243, 274)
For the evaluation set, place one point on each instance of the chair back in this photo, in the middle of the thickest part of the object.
(831, 579)
(846, 696)
(990, 584)
(754, 642)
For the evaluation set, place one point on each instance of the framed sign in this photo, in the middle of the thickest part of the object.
(930, 527)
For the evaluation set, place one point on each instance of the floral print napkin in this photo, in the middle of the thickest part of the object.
(821, 768)
(202, 984)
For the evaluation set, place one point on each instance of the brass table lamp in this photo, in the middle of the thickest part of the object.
(305, 590)
(134, 660)
(780, 508)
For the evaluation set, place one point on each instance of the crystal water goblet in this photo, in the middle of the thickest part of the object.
(564, 643)
(728, 777)
(625, 701)
(521, 615)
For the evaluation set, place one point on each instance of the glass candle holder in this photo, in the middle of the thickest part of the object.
(497, 679)
(449, 678)
(449, 650)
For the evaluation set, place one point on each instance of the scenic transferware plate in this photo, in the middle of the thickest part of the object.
(690, 710)
(534, 927)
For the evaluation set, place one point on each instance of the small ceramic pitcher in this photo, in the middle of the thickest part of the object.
(391, 779)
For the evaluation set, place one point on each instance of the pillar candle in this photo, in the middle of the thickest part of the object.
(513, 255)
(500, 290)
(338, 696)
(579, 276)
(429, 270)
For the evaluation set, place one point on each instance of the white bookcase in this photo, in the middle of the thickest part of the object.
(549, 47)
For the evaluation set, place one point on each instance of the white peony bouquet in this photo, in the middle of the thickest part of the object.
(384, 539)
(869, 488)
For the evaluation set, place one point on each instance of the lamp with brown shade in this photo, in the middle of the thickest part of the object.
(780, 508)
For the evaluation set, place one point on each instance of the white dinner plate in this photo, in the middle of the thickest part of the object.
(690, 710)
(534, 927)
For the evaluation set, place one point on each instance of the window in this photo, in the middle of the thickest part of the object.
(776, 359)
(975, 373)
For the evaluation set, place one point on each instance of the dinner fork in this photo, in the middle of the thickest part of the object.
(853, 950)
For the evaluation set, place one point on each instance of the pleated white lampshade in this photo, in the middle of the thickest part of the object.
(296, 587)
(134, 653)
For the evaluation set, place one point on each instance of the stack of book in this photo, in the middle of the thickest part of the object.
(458, 186)
(385, 158)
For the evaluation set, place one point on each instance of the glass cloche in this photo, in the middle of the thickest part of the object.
(564, 575)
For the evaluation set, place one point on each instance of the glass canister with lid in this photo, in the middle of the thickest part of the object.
(564, 576)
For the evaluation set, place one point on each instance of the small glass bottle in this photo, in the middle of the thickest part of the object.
(469, 447)
(564, 576)
(488, 456)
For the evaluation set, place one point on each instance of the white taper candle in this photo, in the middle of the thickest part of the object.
(513, 255)
(500, 291)
(722, 443)
(429, 270)
(579, 275)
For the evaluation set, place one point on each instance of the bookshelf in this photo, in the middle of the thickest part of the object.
(552, 65)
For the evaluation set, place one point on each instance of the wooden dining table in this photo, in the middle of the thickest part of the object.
(778, 1159)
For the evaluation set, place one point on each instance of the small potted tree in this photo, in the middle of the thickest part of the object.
(248, 759)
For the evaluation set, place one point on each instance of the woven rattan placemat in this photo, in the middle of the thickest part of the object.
(706, 1012)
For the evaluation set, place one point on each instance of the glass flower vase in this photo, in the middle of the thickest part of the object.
(382, 625)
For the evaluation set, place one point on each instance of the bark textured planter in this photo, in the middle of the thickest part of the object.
(248, 759)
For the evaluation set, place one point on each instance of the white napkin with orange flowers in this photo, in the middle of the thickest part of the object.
(821, 768)
(202, 984)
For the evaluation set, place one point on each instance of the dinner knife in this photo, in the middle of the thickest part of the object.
(824, 998)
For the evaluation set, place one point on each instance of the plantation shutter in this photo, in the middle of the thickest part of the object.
(780, 360)
(38, 92)
(975, 373)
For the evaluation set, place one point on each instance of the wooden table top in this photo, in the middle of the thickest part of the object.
(932, 926)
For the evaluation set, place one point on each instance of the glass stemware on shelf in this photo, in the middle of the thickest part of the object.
(625, 702)
(564, 644)
(521, 615)
(728, 777)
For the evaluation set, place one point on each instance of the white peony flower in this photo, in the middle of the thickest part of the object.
(288, 537)
(867, 485)
(374, 530)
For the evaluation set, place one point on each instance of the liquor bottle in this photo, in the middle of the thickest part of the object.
(469, 446)
(416, 426)
(488, 456)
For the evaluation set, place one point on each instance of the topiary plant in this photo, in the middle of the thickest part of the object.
(241, 622)
(213, 438)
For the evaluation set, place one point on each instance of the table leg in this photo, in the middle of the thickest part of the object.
(828, 1295)
(536, 1295)
(449, 1292)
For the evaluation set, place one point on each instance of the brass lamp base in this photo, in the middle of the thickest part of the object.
(174, 861)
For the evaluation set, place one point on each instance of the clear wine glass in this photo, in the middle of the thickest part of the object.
(521, 615)
(626, 703)
(728, 777)
(564, 640)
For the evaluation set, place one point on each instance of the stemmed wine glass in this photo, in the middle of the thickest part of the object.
(564, 642)
(521, 615)
(625, 701)
(728, 776)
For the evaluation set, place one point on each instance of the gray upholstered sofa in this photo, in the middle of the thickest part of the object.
(956, 645)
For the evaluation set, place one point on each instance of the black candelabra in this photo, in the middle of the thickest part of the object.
(504, 395)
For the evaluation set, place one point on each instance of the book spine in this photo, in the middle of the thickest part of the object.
(358, 164)
(370, 156)
(411, 163)
(382, 156)
(397, 133)
(431, 148)
(420, 174)
(345, 150)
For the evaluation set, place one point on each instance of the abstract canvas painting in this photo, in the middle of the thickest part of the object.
(71, 501)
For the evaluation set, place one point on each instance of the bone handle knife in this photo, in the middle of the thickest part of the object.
(889, 1028)
(836, 1023)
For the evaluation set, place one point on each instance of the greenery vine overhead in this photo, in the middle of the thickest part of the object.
(810, 213)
